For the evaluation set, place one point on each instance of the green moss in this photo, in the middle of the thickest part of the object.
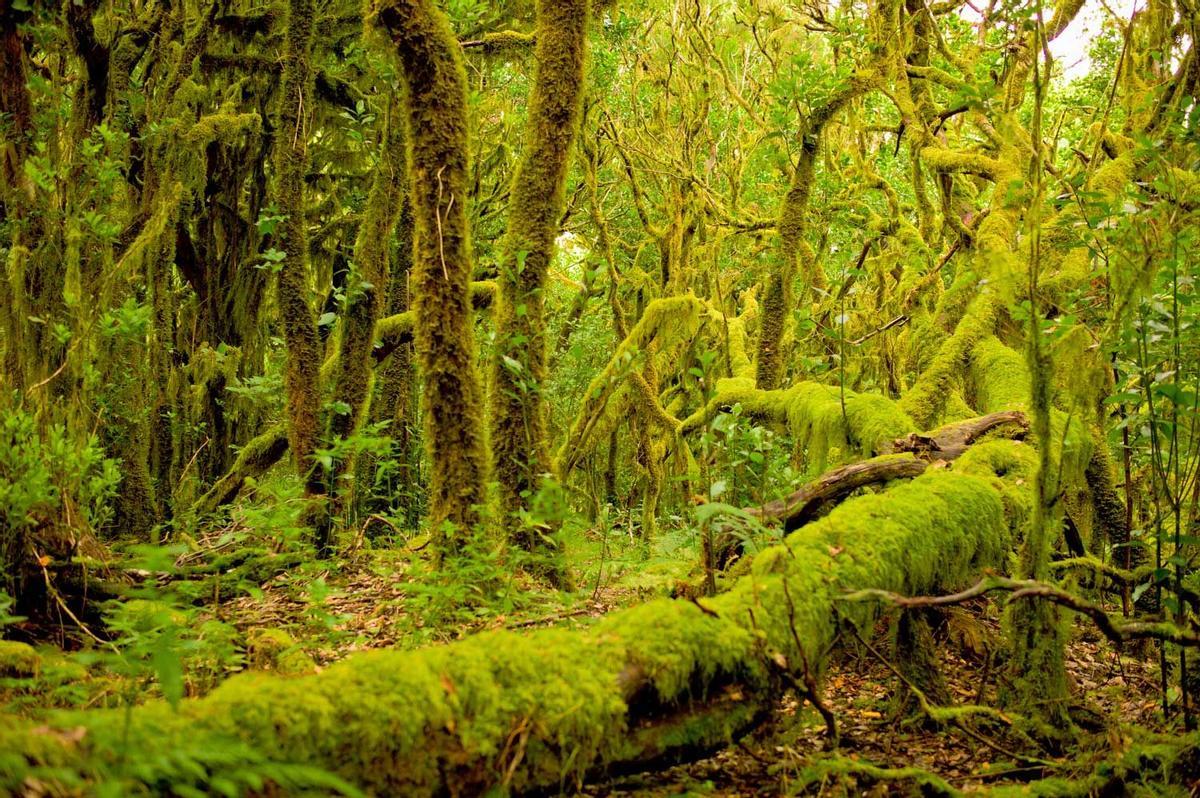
(276, 650)
(356, 332)
(521, 458)
(452, 395)
(294, 289)
(665, 327)
(940, 159)
(999, 377)
(925, 400)
(18, 660)
(1108, 506)
(253, 460)
(795, 256)
(1014, 464)
(540, 710)
(221, 127)
(813, 414)
(397, 329)
(999, 380)
(867, 426)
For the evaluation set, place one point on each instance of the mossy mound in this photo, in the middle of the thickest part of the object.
(18, 660)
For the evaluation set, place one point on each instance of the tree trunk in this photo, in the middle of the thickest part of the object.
(521, 458)
(301, 377)
(452, 396)
(364, 299)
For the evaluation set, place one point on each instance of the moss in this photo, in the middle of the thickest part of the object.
(665, 327)
(916, 656)
(452, 396)
(999, 377)
(502, 41)
(1000, 380)
(817, 421)
(521, 458)
(922, 536)
(1014, 464)
(397, 329)
(540, 710)
(925, 400)
(813, 414)
(221, 127)
(356, 331)
(795, 256)
(940, 159)
(18, 660)
(301, 377)
(253, 460)
(1108, 506)
(276, 650)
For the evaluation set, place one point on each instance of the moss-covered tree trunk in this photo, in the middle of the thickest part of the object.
(1038, 635)
(16, 124)
(393, 398)
(364, 299)
(520, 450)
(452, 395)
(301, 378)
(16, 111)
(794, 253)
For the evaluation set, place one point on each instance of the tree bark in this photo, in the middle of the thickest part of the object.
(452, 396)
(521, 457)
(301, 377)
(807, 503)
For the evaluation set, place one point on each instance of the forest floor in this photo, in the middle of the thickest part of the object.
(385, 595)
(365, 607)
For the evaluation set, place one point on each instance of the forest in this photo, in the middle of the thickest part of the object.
(599, 397)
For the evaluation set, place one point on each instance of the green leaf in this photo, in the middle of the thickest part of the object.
(1180, 397)
(168, 668)
(1129, 397)
(1139, 590)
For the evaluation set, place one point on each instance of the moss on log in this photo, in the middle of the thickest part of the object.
(813, 414)
(544, 710)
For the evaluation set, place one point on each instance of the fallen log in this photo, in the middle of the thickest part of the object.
(912, 454)
(812, 500)
(951, 440)
(544, 710)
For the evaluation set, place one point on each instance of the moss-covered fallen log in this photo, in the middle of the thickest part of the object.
(950, 441)
(544, 710)
(802, 506)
